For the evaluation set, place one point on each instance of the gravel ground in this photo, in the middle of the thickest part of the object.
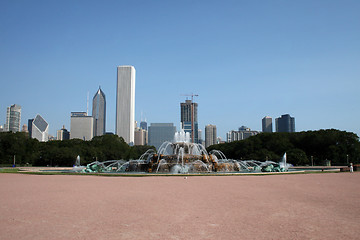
(296, 206)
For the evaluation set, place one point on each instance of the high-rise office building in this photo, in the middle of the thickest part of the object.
(99, 113)
(267, 124)
(200, 139)
(30, 121)
(285, 123)
(161, 132)
(189, 119)
(40, 129)
(125, 103)
(63, 134)
(241, 134)
(81, 126)
(141, 136)
(13, 118)
(210, 135)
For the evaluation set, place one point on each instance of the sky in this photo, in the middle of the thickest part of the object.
(245, 60)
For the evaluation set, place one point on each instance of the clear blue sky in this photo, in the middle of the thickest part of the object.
(245, 60)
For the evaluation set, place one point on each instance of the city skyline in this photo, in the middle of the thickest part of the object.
(304, 66)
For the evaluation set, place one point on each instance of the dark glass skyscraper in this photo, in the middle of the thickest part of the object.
(285, 123)
(189, 120)
(99, 113)
(30, 121)
(267, 124)
(143, 125)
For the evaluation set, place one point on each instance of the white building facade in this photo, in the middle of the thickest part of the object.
(210, 135)
(81, 126)
(243, 133)
(13, 118)
(40, 129)
(125, 103)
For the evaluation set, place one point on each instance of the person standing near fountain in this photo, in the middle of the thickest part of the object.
(351, 168)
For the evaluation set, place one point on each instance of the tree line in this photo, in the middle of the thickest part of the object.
(302, 148)
(30, 151)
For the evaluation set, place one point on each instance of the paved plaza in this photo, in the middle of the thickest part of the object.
(289, 206)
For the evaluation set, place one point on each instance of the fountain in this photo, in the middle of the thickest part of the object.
(77, 167)
(182, 156)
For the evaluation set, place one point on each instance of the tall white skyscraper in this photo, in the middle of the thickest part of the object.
(125, 103)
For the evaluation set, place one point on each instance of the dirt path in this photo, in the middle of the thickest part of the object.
(301, 206)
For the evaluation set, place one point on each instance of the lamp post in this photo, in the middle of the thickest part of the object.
(347, 159)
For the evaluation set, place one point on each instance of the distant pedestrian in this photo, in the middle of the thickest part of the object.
(351, 167)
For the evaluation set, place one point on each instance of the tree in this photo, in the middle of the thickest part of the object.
(328, 144)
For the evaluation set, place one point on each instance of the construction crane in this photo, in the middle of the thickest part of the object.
(190, 95)
(192, 114)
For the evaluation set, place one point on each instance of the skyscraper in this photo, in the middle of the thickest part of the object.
(30, 121)
(99, 113)
(63, 134)
(125, 103)
(189, 120)
(210, 135)
(267, 124)
(141, 137)
(13, 118)
(285, 123)
(143, 125)
(40, 129)
(81, 126)
(161, 132)
(200, 139)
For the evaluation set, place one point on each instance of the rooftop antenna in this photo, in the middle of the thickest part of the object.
(87, 104)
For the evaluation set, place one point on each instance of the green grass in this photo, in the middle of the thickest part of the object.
(9, 170)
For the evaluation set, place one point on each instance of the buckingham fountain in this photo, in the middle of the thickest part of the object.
(181, 156)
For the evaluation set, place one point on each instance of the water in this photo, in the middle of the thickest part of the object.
(182, 156)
